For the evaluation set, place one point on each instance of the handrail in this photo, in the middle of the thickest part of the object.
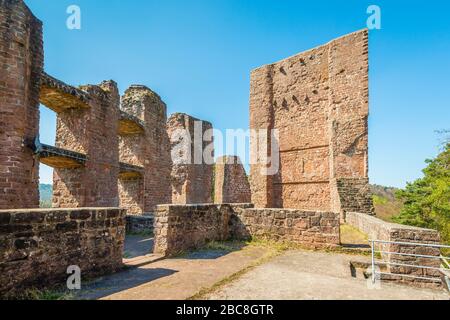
(413, 244)
(400, 264)
(412, 255)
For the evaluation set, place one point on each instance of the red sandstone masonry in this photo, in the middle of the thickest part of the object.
(186, 227)
(310, 229)
(231, 183)
(150, 150)
(21, 64)
(377, 229)
(318, 100)
(38, 245)
(91, 131)
(191, 183)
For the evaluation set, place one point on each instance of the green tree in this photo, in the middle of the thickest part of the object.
(427, 200)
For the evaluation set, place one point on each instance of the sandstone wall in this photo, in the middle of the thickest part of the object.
(21, 63)
(191, 176)
(150, 150)
(231, 182)
(140, 223)
(353, 195)
(38, 245)
(318, 102)
(378, 229)
(184, 227)
(131, 195)
(308, 228)
(179, 228)
(91, 131)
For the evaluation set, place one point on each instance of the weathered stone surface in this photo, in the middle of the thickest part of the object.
(59, 96)
(377, 229)
(140, 224)
(149, 149)
(184, 227)
(354, 195)
(191, 182)
(230, 181)
(91, 131)
(130, 125)
(318, 102)
(38, 245)
(21, 63)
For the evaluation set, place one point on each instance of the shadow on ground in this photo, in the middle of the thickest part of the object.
(137, 246)
(213, 251)
(121, 281)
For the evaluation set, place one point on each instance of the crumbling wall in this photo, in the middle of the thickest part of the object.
(131, 195)
(140, 224)
(318, 102)
(21, 62)
(150, 150)
(185, 227)
(91, 131)
(354, 196)
(38, 245)
(230, 180)
(191, 176)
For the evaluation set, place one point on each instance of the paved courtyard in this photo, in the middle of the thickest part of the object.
(152, 278)
(292, 275)
(315, 275)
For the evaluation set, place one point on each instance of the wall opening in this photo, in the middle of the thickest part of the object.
(47, 135)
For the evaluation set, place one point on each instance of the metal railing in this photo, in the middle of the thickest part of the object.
(444, 267)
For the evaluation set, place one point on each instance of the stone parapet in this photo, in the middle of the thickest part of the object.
(185, 227)
(38, 245)
(378, 229)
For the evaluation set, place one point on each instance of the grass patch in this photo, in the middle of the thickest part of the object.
(351, 235)
(42, 294)
(267, 242)
(379, 200)
(223, 246)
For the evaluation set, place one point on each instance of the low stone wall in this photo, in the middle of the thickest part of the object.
(312, 229)
(140, 224)
(378, 229)
(38, 245)
(184, 227)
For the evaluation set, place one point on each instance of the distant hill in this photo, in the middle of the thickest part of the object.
(386, 203)
(384, 200)
(46, 191)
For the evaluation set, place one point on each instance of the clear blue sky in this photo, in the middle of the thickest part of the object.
(198, 55)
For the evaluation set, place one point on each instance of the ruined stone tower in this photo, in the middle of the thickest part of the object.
(89, 130)
(318, 102)
(21, 64)
(149, 149)
(192, 177)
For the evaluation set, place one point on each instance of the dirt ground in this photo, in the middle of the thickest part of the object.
(243, 272)
(171, 279)
(306, 275)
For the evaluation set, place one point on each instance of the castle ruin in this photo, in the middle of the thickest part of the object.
(116, 157)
